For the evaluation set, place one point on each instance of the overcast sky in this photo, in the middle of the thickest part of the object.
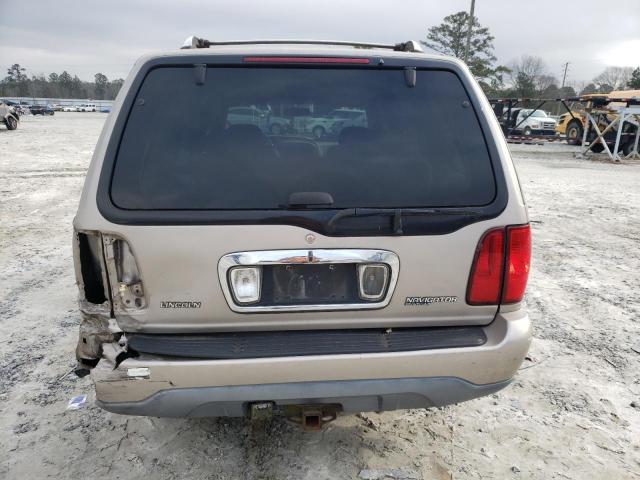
(87, 36)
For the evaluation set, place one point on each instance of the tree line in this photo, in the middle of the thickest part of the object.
(526, 77)
(57, 85)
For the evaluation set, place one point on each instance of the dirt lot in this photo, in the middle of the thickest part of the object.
(572, 413)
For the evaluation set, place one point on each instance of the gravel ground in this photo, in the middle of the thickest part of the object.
(572, 413)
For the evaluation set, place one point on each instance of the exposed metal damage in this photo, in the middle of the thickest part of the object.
(93, 253)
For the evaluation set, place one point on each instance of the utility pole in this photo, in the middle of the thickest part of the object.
(466, 50)
(564, 75)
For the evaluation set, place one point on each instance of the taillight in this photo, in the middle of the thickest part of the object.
(517, 264)
(485, 281)
(497, 260)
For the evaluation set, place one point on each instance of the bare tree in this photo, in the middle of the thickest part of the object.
(588, 88)
(613, 78)
(544, 82)
(529, 76)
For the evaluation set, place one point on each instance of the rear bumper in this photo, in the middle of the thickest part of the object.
(358, 382)
(353, 395)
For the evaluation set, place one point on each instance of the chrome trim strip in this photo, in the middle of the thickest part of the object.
(292, 257)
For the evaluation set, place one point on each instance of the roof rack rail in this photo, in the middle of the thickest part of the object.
(409, 46)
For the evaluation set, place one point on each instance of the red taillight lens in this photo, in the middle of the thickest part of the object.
(495, 261)
(518, 262)
(485, 282)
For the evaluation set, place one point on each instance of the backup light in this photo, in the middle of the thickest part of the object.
(517, 264)
(245, 284)
(372, 280)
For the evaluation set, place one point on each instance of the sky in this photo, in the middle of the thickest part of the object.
(89, 36)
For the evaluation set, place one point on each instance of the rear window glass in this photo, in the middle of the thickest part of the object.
(250, 137)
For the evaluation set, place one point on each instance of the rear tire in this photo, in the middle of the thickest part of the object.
(11, 123)
(573, 132)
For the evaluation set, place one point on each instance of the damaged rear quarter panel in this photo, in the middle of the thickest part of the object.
(97, 325)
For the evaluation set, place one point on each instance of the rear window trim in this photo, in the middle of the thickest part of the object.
(313, 219)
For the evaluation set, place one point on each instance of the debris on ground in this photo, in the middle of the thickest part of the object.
(77, 402)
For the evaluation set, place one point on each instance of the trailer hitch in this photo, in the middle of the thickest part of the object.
(311, 417)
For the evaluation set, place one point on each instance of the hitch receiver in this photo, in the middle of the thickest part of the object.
(312, 417)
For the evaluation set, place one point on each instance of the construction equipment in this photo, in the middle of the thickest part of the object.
(611, 124)
(598, 122)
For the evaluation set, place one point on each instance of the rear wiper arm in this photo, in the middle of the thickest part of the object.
(397, 214)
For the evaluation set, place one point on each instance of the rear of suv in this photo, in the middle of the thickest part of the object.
(226, 271)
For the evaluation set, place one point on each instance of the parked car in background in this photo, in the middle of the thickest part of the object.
(8, 116)
(87, 107)
(333, 122)
(41, 110)
(57, 107)
(105, 110)
(349, 117)
(69, 108)
(529, 122)
(17, 107)
(265, 119)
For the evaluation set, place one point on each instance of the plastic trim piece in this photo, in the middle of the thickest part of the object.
(352, 395)
(241, 345)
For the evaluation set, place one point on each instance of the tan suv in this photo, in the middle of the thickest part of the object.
(227, 271)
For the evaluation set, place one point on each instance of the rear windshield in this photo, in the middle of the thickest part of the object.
(248, 138)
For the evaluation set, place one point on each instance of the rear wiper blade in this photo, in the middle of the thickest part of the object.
(397, 214)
